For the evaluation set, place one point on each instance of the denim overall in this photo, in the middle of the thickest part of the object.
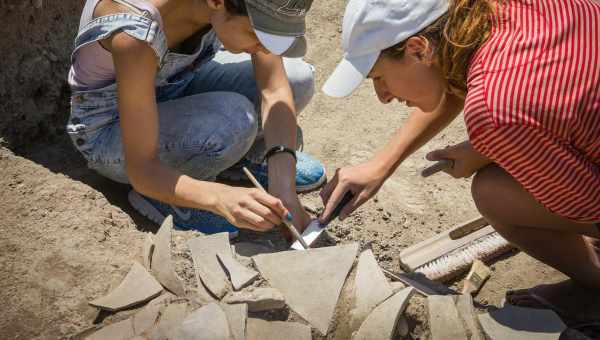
(208, 103)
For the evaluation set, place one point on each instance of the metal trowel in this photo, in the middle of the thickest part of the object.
(316, 228)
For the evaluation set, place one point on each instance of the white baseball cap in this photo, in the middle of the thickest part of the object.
(371, 26)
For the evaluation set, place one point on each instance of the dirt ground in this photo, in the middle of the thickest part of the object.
(68, 235)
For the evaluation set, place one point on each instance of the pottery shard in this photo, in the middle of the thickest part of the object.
(444, 321)
(168, 323)
(147, 251)
(464, 305)
(310, 280)
(206, 323)
(239, 275)
(381, 323)
(162, 266)
(122, 330)
(258, 329)
(370, 288)
(137, 287)
(236, 317)
(204, 254)
(397, 286)
(518, 323)
(259, 299)
(148, 316)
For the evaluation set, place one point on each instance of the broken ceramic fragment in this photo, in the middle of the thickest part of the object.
(148, 316)
(161, 263)
(236, 317)
(206, 323)
(137, 287)
(444, 321)
(168, 323)
(381, 323)
(518, 323)
(147, 251)
(122, 330)
(310, 280)
(464, 306)
(258, 329)
(239, 275)
(370, 288)
(259, 299)
(204, 254)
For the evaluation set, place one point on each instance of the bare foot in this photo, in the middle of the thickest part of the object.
(573, 303)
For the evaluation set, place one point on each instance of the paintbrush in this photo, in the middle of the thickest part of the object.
(287, 223)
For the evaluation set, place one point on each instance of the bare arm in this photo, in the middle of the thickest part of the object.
(419, 128)
(136, 65)
(279, 125)
(364, 180)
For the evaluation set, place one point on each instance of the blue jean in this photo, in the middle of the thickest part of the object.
(208, 119)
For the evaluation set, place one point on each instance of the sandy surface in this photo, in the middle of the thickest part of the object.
(67, 235)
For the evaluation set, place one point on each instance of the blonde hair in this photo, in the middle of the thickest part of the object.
(456, 35)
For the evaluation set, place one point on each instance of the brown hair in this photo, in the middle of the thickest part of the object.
(456, 36)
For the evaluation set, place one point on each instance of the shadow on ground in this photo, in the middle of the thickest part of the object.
(59, 156)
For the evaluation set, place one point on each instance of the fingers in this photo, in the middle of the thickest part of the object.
(356, 202)
(333, 201)
(272, 203)
(265, 212)
(329, 187)
(253, 221)
(437, 155)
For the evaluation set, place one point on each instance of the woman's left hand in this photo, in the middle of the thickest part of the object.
(466, 159)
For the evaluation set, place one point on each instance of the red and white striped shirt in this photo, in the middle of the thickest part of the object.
(533, 101)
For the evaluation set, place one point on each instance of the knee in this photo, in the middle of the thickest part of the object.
(241, 122)
(301, 76)
(486, 192)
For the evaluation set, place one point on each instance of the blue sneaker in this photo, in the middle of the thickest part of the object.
(310, 173)
(183, 218)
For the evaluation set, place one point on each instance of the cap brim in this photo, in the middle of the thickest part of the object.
(287, 46)
(349, 74)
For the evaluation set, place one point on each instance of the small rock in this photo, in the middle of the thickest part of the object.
(259, 299)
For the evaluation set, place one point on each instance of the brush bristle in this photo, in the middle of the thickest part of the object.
(459, 260)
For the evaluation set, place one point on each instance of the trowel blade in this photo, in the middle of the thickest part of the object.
(310, 234)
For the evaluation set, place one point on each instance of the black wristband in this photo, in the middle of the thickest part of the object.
(278, 149)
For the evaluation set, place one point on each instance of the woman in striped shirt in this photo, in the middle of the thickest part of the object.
(527, 74)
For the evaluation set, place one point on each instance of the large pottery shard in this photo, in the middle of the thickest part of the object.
(381, 323)
(370, 288)
(161, 259)
(204, 253)
(168, 323)
(444, 321)
(138, 286)
(310, 280)
(122, 330)
(518, 323)
(236, 316)
(206, 323)
(258, 329)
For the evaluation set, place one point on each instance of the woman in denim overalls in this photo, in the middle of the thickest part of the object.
(156, 103)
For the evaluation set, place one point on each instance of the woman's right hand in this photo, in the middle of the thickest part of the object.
(250, 208)
(363, 180)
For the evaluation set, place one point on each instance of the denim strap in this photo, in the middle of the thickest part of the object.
(141, 27)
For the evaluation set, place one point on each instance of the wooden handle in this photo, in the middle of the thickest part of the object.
(468, 228)
(444, 164)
